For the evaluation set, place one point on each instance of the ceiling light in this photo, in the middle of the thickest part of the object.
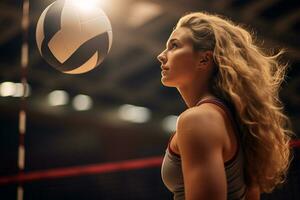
(58, 97)
(135, 114)
(169, 123)
(7, 89)
(82, 102)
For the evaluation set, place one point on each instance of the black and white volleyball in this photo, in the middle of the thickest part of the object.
(72, 36)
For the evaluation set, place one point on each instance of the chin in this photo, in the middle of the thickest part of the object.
(167, 83)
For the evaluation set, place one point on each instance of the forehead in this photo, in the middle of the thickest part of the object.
(183, 34)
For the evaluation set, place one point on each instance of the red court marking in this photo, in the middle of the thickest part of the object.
(92, 169)
(295, 144)
(82, 170)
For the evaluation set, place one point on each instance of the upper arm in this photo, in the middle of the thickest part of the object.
(200, 145)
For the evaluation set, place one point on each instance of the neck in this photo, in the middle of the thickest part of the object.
(194, 94)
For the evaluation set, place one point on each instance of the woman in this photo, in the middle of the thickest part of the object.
(233, 141)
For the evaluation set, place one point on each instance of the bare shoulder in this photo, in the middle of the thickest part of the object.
(200, 117)
(203, 124)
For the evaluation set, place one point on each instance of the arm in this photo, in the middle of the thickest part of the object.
(200, 144)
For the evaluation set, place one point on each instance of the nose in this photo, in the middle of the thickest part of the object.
(162, 57)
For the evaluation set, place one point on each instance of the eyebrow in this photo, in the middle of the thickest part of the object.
(168, 42)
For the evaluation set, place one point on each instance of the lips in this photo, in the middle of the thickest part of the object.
(164, 72)
(163, 67)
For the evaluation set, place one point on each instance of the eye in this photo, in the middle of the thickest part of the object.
(174, 45)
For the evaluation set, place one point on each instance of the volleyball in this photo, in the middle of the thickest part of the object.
(73, 37)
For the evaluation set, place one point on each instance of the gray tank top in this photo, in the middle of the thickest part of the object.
(171, 170)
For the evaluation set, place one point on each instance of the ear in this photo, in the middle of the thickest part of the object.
(205, 59)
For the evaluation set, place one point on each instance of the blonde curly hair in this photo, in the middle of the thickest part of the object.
(250, 80)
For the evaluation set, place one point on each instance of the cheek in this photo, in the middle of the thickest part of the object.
(182, 62)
